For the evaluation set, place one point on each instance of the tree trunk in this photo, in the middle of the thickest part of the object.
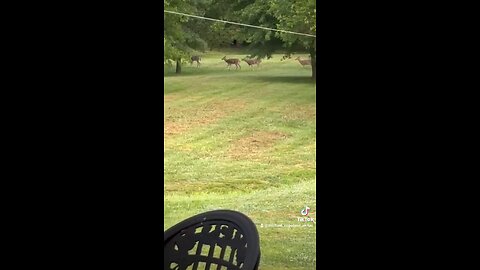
(314, 65)
(313, 56)
(178, 70)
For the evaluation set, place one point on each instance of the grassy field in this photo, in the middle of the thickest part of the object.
(244, 140)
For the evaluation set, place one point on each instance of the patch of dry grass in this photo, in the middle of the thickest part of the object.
(254, 144)
(296, 112)
(180, 120)
(244, 140)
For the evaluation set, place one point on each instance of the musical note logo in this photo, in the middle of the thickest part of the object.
(305, 211)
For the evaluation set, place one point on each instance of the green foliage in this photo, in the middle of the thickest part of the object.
(290, 15)
(181, 39)
(185, 36)
(297, 16)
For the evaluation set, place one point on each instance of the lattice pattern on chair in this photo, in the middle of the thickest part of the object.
(212, 245)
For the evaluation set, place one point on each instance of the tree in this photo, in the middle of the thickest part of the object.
(184, 35)
(179, 39)
(297, 16)
(290, 15)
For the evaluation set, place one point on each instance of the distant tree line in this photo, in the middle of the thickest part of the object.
(184, 36)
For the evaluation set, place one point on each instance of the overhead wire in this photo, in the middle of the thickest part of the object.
(242, 24)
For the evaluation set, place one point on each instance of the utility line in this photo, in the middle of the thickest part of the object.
(243, 24)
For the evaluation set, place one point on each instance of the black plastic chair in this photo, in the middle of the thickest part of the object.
(216, 240)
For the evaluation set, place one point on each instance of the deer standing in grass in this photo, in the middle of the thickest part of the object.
(232, 61)
(195, 58)
(307, 62)
(252, 62)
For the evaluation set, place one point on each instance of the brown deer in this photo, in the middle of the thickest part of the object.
(304, 62)
(195, 58)
(252, 62)
(232, 61)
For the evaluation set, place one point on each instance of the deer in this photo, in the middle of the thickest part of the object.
(304, 62)
(252, 62)
(232, 61)
(195, 58)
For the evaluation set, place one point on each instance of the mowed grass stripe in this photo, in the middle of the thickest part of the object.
(244, 140)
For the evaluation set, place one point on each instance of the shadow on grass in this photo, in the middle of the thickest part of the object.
(250, 75)
(284, 79)
(259, 78)
(188, 72)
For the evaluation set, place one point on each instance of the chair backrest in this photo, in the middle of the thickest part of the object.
(215, 240)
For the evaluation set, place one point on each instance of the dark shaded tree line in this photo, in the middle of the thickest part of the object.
(185, 36)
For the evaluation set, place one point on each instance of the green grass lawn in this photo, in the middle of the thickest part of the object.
(244, 140)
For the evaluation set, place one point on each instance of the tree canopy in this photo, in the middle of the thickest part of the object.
(182, 35)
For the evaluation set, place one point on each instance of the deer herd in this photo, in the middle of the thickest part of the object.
(250, 62)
